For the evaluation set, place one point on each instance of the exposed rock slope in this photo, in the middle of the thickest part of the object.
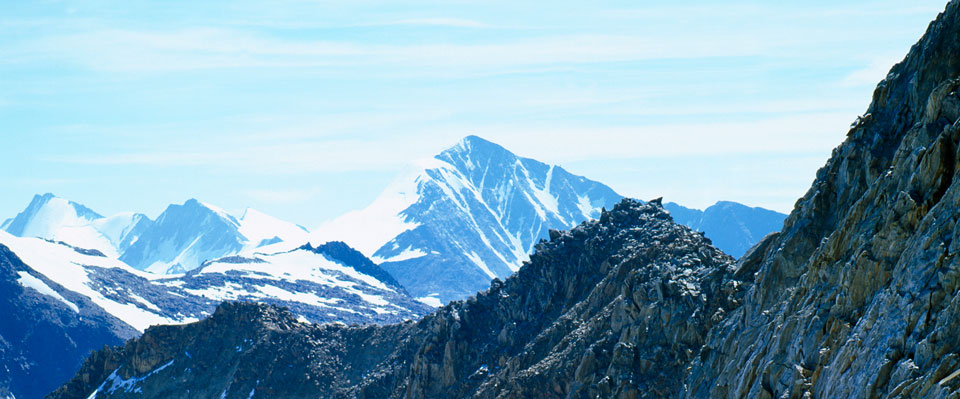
(613, 307)
(857, 296)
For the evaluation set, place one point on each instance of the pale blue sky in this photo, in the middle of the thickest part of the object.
(307, 109)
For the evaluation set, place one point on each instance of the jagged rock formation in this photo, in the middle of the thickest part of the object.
(613, 307)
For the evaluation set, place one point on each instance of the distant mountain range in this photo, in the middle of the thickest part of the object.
(181, 239)
(61, 302)
(443, 230)
(474, 213)
(440, 232)
(855, 297)
(733, 227)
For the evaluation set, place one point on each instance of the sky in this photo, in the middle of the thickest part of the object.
(307, 109)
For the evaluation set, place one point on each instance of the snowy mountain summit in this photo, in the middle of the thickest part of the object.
(57, 219)
(466, 216)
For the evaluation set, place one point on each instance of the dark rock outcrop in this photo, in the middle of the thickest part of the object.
(341, 252)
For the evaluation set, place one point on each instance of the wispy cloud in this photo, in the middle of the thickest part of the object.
(208, 48)
(441, 22)
(558, 144)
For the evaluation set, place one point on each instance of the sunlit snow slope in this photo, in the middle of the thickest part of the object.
(470, 214)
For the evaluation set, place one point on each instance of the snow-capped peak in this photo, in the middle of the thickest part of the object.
(473, 212)
(54, 218)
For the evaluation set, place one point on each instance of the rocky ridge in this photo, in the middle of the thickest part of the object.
(610, 307)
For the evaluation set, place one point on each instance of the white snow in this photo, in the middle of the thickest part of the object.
(297, 265)
(86, 237)
(431, 301)
(586, 207)
(220, 212)
(407, 254)
(115, 228)
(479, 262)
(230, 291)
(302, 297)
(368, 229)
(51, 217)
(543, 196)
(29, 281)
(300, 265)
(130, 384)
(145, 302)
(65, 266)
(57, 220)
(257, 227)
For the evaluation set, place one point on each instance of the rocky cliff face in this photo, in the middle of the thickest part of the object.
(856, 297)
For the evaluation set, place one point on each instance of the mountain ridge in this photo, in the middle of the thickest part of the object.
(416, 359)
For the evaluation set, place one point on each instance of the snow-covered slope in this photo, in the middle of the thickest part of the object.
(183, 237)
(470, 214)
(126, 293)
(329, 283)
(60, 302)
(261, 230)
(122, 229)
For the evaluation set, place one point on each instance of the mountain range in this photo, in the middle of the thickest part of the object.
(474, 212)
(444, 229)
(66, 301)
(732, 227)
(854, 297)
(441, 232)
